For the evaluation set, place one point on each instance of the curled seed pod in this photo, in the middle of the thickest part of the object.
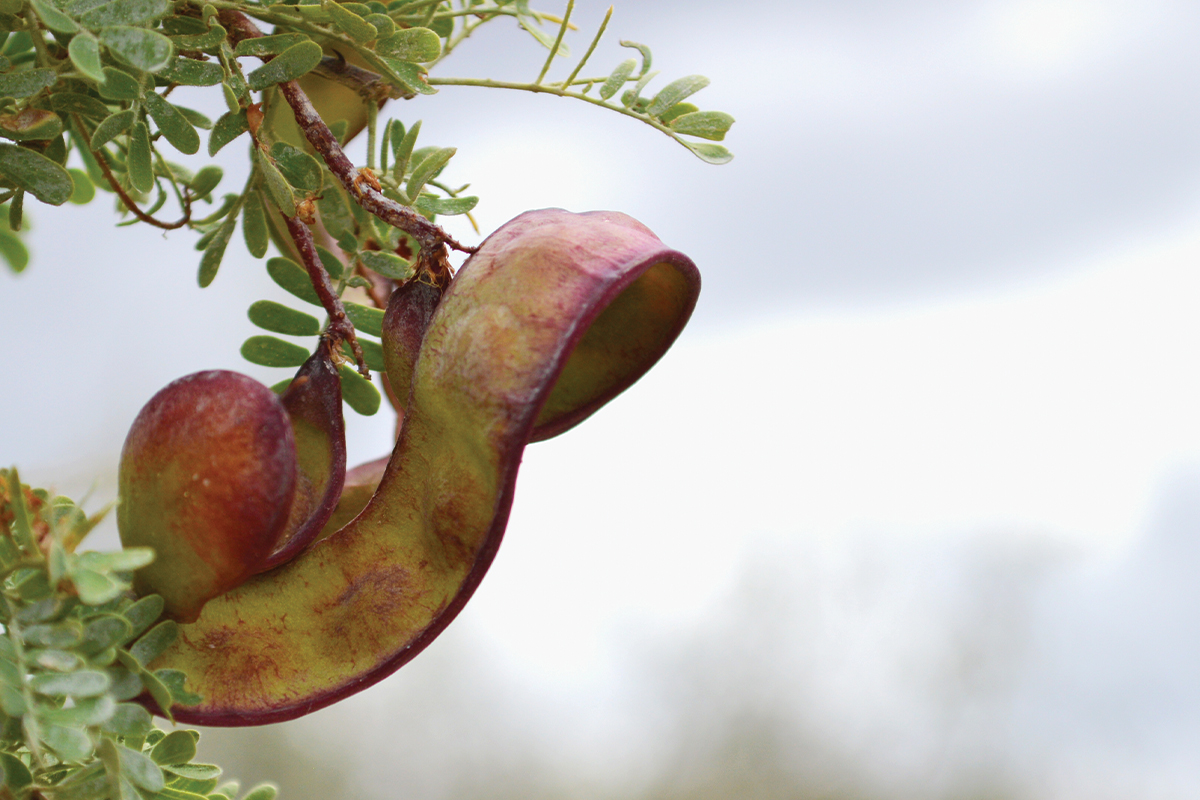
(409, 311)
(366, 598)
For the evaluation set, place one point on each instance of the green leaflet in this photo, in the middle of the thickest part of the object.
(415, 45)
(287, 66)
(360, 394)
(278, 190)
(26, 83)
(208, 40)
(14, 252)
(389, 265)
(227, 128)
(119, 85)
(299, 168)
(174, 126)
(75, 103)
(205, 180)
(177, 747)
(197, 119)
(711, 125)
(145, 49)
(618, 77)
(675, 91)
(292, 278)
(278, 318)
(711, 153)
(332, 264)
(32, 124)
(126, 12)
(676, 111)
(83, 189)
(268, 351)
(352, 24)
(129, 719)
(447, 206)
(84, 51)
(254, 225)
(214, 251)
(84, 683)
(141, 770)
(372, 354)
(114, 125)
(268, 45)
(406, 75)
(55, 20)
(140, 159)
(366, 319)
(189, 72)
(36, 174)
(428, 168)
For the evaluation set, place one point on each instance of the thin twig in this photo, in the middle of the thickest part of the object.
(340, 328)
(102, 162)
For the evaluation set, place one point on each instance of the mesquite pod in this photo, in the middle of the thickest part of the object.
(553, 316)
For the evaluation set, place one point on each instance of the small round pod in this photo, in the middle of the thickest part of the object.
(207, 476)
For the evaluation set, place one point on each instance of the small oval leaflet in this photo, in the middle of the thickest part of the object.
(76, 103)
(254, 225)
(36, 174)
(126, 12)
(366, 319)
(278, 318)
(359, 393)
(389, 265)
(152, 644)
(26, 83)
(138, 47)
(416, 45)
(84, 683)
(32, 124)
(141, 770)
(618, 77)
(299, 168)
(190, 72)
(84, 51)
(177, 747)
(205, 180)
(288, 65)
(350, 23)
(268, 45)
(227, 128)
(278, 191)
(428, 168)
(55, 20)
(113, 126)
(268, 351)
(174, 126)
(214, 251)
(292, 278)
(712, 125)
(118, 84)
(675, 91)
(129, 719)
(141, 169)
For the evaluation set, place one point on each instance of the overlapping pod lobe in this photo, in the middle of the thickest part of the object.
(225, 479)
(554, 315)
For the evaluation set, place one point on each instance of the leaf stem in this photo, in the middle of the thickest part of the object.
(562, 30)
(591, 48)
